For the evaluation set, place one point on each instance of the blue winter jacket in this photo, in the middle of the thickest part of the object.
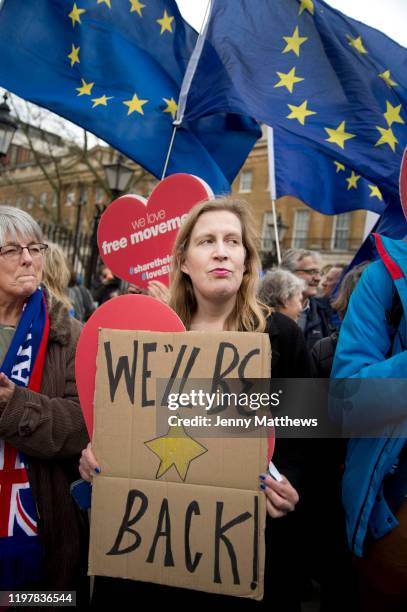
(362, 352)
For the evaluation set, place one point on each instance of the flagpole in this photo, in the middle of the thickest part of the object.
(186, 83)
(167, 159)
(272, 185)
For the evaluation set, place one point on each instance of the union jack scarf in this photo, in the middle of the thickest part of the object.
(20, 549)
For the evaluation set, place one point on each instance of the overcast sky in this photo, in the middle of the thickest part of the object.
(389, 16)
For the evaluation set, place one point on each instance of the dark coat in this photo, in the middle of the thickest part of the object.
(48, 427)
(322, 355)
(317, 325)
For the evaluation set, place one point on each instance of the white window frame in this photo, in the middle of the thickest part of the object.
(334, 237)
(246, 174)
(300, 242)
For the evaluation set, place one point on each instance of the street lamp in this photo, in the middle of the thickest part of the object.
(118, 176)
(7, 127)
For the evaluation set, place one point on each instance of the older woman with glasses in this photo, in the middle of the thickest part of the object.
(43, 536)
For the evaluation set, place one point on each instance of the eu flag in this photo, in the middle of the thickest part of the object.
(333, 89)
(115, 68)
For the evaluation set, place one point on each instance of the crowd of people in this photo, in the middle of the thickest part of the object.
(338, 517)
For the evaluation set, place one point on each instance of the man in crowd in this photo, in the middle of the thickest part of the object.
(314, 318)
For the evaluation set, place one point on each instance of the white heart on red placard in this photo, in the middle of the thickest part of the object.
(135, 237)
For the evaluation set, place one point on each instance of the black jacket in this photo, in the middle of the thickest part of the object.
(322, 355)
(317, 324)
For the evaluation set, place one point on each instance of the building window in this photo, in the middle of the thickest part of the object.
(70, 198)
(246, 181)
(20, 202)
(30, 202)
(301, 227)
(340, 232)
(12, 155)
(267, 235)
(23, 156)
(43, 200)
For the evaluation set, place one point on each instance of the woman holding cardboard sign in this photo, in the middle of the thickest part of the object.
(214, 281)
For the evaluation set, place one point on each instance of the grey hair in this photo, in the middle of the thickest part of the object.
(292, 257)
(15, 223)
(279, 286)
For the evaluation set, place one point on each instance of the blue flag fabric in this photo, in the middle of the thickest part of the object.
(321, 181)
(333, 89)
(115, 68)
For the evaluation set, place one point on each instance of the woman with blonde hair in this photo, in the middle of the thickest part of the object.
(213, 288)
(56, 273)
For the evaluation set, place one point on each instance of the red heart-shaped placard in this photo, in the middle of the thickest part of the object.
(135, 238)
(136, 312)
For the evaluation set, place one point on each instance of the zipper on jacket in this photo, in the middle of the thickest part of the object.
(366, 496)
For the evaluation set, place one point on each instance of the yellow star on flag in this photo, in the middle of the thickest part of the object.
(357, 44)
(339, 167)
(172, 107)
(75, 14)
(392, 114)
(386, 76)
(85, 89)
(101, 101)
(352, 181)
(107, 2)
(338, 136)
(387, 137)
(74, 56)
(176, 449)
(135, 104)
(136, 7)
(375, 192)
(306, 5)
(288, 80)
(165, 22)
(300, 112)
(294, 42)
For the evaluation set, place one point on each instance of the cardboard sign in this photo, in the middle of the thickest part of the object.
(171, 508)
(403, 183)
(122, 312)
(135, 236)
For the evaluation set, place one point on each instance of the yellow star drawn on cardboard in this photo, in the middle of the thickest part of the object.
(176, 449)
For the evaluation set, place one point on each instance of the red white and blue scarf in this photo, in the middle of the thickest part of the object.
(20, 549)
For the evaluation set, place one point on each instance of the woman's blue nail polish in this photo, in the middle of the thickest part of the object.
(262, 477)
(262, 486)
(97, 470)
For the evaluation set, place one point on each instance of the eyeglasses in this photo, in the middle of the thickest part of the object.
(310, 271)
(13, 251)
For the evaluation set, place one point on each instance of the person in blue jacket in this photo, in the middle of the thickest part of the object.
(372, 344)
